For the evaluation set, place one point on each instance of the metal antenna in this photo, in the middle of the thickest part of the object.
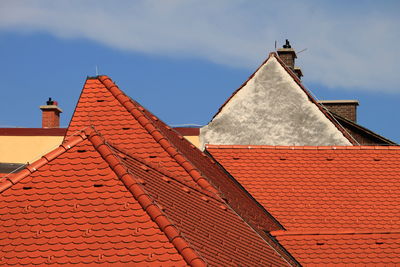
(301, 51)
(275, 45)
(97, 71)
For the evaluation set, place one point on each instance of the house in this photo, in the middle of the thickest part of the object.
(274, 108)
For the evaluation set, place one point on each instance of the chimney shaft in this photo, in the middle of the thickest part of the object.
(51, 114)
(344, 108)
(288, 56)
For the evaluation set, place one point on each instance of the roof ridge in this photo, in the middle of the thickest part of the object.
(31, 168)
(137, 112)
(313, 100)
(189, 254)
(361, 147)
(333, 232)
(163, 171)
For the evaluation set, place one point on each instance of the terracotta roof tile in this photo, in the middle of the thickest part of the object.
(78, 218)
(320, 187)
(212, 228)
(340, 205)
(352, 248)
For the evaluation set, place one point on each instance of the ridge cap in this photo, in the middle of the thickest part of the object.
(300, 232)
(45, 159)
(270, 147)
(155, 132)
(188, 253)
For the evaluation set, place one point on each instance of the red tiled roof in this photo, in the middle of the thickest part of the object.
(298, 82)
(127, 193)
(70, 207)
(104, 107)
(339, 205)
(220, 236)
(320, 187)
(341, 248)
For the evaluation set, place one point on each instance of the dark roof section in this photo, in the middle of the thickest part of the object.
(32, 131)
(10, 167)
(363, 135)
(188, 131)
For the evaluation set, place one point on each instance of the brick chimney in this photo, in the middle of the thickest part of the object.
(51, 114)
(344, 108)
(288, 56)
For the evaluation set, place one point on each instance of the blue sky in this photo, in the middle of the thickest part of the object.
(183, 58)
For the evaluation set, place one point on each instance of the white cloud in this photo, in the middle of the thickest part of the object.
(350, 45)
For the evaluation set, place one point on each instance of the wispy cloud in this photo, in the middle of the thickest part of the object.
(350, 45)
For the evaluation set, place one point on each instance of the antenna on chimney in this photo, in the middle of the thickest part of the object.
(301, 51)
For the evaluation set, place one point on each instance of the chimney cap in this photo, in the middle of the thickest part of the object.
(287, 44)
(51, 105)
(350, 102)
(50, 102)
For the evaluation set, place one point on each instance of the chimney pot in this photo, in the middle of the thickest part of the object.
(51, 114)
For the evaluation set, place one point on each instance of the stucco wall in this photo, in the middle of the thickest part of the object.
(195, 140)
(22, 149)
(271, 109)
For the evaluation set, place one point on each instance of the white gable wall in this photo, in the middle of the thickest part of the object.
(271, 109)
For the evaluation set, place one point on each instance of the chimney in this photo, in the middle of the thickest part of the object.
(344, 108)
(288, 56)
(51, 114)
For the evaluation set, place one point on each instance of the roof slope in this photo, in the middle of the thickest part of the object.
(125, 122)
(273, 108)
(106, 109)
(343, 248)
(70, 207)
(320, 187)
(338, 204)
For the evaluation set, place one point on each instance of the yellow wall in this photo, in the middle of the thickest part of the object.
(22, 149)
(195, 140)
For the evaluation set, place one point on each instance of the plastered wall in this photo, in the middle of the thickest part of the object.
(22, 149)
(271, 109)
